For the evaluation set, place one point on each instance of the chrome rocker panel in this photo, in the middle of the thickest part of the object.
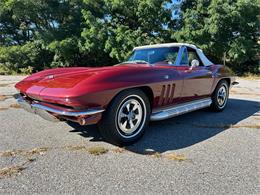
(180, 109)
(45, 111)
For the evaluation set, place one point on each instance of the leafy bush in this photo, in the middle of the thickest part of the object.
(22, 59)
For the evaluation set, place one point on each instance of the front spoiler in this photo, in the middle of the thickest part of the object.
(53, 114)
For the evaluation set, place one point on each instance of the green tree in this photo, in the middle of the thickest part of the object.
(223, 26)
(41, 34)
(119, 25)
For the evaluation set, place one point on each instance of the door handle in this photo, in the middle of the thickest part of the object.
(166, 76)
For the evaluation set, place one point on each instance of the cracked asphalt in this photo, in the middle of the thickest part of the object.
(197, 153)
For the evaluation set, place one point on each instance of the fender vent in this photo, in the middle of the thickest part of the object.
(167, 95)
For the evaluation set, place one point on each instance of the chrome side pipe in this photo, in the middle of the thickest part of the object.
(180, 109)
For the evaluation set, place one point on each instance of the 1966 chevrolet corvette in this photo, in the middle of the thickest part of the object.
(157, 82)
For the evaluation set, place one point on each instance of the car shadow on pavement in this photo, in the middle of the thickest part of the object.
(185, 130)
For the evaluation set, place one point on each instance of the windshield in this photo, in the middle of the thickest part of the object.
(164, 55)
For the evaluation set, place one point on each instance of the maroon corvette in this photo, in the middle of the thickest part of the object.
(157, 82)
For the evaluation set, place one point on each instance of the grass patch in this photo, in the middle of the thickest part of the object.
(10, 153)
(176, 157)
(213, 126)
(6, 84)
(118, 150)
(246, 94)
(170, 156)
(76, 148)
(16, 106)
(157, 155)
(253, 126)
(30, 159)
(9, 171)
(250, 76)
(2, 109)
(97, 150)
(27, 153)
(36, 151)
(5, 97)
(17, 169)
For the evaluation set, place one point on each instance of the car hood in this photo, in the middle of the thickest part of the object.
(66, 79)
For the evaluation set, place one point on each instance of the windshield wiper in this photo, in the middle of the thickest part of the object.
(136, 62)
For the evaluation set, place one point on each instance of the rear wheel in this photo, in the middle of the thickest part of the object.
(220, 96)
(126, 117)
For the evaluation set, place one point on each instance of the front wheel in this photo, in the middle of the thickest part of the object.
(220, 96)
(126, 117)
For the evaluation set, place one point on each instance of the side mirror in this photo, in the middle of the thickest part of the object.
(194, 63)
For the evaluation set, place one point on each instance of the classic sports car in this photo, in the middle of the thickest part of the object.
(157, 82)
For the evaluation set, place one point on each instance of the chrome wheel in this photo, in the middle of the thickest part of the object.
(222, 96)
(130, 116)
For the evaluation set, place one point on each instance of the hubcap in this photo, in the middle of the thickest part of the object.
(130, 117)
(222, 96)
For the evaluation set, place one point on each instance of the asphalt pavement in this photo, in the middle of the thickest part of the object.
(197, 153)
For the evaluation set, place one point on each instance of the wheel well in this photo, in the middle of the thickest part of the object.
(145, 89)
(148, 92)
(228, 81)
(225, 79)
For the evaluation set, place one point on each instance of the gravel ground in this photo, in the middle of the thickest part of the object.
(197, 153)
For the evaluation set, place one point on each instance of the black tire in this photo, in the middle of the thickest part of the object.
(219, 103)
(118, 116)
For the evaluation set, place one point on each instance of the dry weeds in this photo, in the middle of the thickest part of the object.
(157, 155)
(252, 126)
(16, 106)
(36, 151)
(9, 171)
(76, 148)
(97, 150)
(177, 157)
(26, 153)
(5, 97)
(2, 109)
(118, 150)
(250, 76)
(17, 169)
(243, 93)
(4, 85)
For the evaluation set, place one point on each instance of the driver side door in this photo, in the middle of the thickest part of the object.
(197, 81)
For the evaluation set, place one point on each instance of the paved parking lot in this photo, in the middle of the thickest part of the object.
(197, 153)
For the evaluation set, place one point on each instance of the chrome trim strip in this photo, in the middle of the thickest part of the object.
(34, 106)
(66, 113)
(180, 109)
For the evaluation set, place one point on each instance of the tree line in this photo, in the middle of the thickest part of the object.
(40, 34)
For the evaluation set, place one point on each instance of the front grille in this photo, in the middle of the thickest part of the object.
(31, 100)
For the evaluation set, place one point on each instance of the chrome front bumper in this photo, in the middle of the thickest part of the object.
(51, 114)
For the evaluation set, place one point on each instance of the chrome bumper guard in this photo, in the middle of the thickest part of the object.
(45, 111)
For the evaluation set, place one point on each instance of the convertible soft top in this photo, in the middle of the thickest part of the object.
(200, 53)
